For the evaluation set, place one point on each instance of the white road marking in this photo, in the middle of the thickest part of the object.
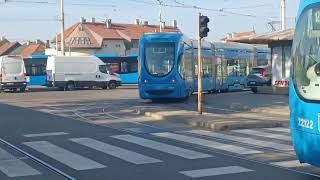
(14, 167)
(251, 141)
(64, 156)
(185, 153)
(289, 164)
(286, 130)
(208, 143)
(215, 171)
(45, 134)
(118, 152)
(263, 134)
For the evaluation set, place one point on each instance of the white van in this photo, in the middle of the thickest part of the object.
(12, 73)
(70, 72)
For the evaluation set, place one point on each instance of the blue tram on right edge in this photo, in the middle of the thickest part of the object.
(305, 84)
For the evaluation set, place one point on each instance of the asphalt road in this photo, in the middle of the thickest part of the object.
(96, 134)
(87, 151)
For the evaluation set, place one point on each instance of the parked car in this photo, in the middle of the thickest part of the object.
(71, 72)
(259, 76)
(12, 73)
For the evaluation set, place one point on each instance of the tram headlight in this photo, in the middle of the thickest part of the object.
(145, 81)
(173, 80)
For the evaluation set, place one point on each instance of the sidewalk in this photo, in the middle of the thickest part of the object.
(225, 111)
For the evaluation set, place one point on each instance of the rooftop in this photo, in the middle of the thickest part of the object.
(266, 38)
(91, 34)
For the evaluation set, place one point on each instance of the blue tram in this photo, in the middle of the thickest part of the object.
(126, 67)
(36, 69)
(305, 84)
(168, 66)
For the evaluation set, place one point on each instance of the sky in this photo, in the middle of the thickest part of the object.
(23, 20)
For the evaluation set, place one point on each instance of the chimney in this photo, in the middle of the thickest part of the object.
(174, 24)
(82, 20)
(93, 20)
(109, 24)
(145, 23)
(28, 43)
(137, 22)
(47, 43)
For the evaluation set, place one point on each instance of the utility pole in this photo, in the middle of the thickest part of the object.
(160, 14)
(199, 69)
(62, 28)
(203, 32)
(283, 15)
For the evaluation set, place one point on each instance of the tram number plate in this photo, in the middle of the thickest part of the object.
(304, 123)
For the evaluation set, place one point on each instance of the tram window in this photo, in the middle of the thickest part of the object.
(36, 69)
(306, 54)
(207, 67)
(159, 58)
(114, 67)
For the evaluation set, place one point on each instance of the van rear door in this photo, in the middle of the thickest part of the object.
(13, 69)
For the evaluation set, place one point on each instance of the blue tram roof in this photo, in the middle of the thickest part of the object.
(39, 56)
(304, 4)
(106, 55)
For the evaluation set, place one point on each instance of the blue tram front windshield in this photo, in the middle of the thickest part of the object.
(306, 54)
(159, 58)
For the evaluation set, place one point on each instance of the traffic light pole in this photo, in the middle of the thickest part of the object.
(199, 71)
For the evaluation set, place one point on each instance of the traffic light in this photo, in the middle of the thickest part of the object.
(203, 26)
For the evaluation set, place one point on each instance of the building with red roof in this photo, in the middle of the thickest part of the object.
(87, 38)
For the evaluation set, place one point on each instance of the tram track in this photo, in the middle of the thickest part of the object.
(37, 160)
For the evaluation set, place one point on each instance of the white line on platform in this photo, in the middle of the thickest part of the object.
(215, 171)
(64, 156)
(286, 130)
(185, 153)
(14, 167)
(251, 141)
(45, 134)
(118, 152)
(289, 164)
(263, 134)
(208, 143)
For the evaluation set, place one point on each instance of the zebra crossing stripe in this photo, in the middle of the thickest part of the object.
(170, 149)
(46, 134)
(251, 141)
(208, 143)
(64, 156)
(13, 167)
(215, 171)
(289, 164)
(286, 130)
(118, 152)
(263, 134)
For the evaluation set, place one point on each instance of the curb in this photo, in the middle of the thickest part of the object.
(219, 126)
(233, 125)
(150, 114)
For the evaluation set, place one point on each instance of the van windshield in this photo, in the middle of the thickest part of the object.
(12, 68)
(103, 69)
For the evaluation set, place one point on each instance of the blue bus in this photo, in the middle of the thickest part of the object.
(305, 84)
(126, 67)
(168, 66)
(36, 70)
